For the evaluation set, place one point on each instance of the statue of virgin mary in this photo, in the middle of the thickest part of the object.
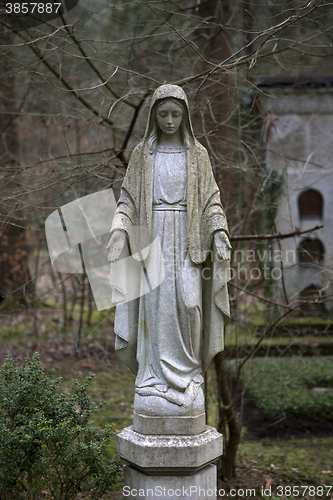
(169, 336)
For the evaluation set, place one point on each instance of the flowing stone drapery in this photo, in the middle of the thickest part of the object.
(169, 336)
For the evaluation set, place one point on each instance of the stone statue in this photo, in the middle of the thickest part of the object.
(169, 336)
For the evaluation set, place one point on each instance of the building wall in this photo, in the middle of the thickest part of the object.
(299, 124)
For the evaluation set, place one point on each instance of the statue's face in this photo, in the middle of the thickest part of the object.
(169, 117)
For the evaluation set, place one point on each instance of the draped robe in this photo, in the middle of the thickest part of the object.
(169, 336)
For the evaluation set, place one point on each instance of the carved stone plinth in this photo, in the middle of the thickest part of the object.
(169, 425)
(201, 485)
(161, 463)
(173, 453)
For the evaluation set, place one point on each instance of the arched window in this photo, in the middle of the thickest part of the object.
(310, 205)
(312, 301)
(310, 251)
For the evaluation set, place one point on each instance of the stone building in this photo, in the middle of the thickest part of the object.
(299, 124)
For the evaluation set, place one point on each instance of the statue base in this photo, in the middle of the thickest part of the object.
(201, 485)
(145, 424)
(170, 465)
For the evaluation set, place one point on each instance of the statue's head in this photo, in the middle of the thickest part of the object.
(169, 114)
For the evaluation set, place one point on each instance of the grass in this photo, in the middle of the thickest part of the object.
(240, 335)
(283, 387)
(250, 338)
(306, 321)
(295, 461)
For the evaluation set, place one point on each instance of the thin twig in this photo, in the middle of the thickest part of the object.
(278, 236)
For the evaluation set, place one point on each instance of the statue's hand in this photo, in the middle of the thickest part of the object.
(223, 245)
(116, 245)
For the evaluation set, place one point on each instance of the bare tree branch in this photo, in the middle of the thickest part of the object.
(277, 236)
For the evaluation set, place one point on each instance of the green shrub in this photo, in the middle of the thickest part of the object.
(283, 386)
(47, 446)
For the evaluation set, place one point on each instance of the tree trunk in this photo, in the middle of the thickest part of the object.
(217, 99)
(14, 273)
(227, 415)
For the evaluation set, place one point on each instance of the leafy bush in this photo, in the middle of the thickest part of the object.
(283, 386)
(47, 446)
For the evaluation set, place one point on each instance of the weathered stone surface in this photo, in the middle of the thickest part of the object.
(299, 149)
(158, 406)
(187, 425)
(169, 336)
(171, 453)
(201, 485)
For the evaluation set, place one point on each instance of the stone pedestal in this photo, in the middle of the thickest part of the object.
(170, 457)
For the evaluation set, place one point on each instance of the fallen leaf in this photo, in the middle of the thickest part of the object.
(269, 482)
